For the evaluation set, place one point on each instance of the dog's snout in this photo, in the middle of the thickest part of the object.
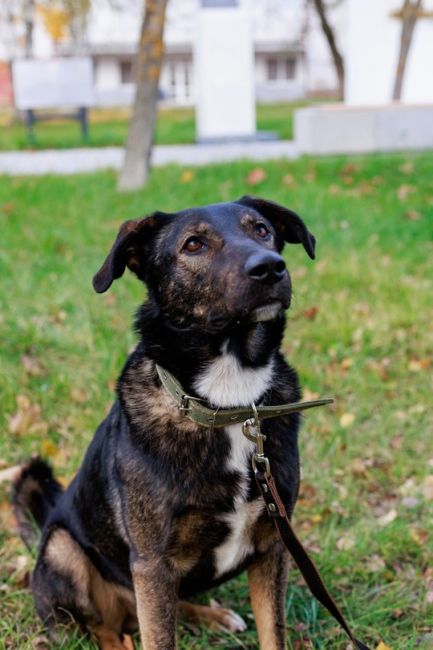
(265, 267)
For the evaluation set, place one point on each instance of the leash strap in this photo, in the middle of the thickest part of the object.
(199, 413)
(251, 417)
(305, 564)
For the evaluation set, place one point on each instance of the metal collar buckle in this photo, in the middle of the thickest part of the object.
(184, 404)
(252, 430)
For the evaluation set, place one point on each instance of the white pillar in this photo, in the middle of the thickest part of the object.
(224, 72)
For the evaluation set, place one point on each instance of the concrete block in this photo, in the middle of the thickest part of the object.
(340, 129)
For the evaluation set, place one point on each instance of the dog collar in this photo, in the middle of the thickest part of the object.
(197, 411)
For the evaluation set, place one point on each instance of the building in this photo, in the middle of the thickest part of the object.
(291, 56)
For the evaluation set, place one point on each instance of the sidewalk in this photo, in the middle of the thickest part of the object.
(72, 161)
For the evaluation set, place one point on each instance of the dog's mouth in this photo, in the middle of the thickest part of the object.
(266, 312)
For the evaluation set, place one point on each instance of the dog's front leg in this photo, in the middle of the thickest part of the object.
(156, 596)
(268, 581)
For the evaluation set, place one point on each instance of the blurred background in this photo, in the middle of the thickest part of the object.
(111, 109)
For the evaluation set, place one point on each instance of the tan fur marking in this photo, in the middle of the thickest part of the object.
(263, 604)
(114, 604)
(108, 640)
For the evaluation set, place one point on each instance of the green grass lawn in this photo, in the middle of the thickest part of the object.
(360, 328)
(109, 127)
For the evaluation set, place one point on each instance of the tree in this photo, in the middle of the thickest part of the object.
(147, 71)
(409, 14)
(328, 31)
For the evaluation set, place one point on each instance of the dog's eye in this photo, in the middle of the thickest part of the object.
(193, 245)
(261, 230)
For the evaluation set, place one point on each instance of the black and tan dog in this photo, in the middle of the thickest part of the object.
(162, 508)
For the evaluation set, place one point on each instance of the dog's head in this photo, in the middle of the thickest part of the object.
(211, 266)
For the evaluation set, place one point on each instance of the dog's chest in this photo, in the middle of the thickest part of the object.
(226, 384)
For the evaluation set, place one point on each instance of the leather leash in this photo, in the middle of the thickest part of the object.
(250, 418)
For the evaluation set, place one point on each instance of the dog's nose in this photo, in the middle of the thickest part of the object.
(265, 267)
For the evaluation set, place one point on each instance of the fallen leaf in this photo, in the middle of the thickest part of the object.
(346, 542)
(8, 208)
(387, 518)
(383, 646)
(334, 189)
(413, 215)
(403, 191)
(346, 420)
(256, 176)
(310, 313)
(375, 563)
(427, 488)
(407, 167)
(417, 365)
(78, 395)
(187, 176)
(48, 448)
(27, 418)
(419, 535)
(289, 180)
(31, 365)
(429, 597)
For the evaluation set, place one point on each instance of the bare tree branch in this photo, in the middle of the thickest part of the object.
(409, 15)
(328, 31)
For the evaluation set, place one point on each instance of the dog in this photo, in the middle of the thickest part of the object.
(162, 508)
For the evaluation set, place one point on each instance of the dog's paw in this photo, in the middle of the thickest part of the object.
(231, 621)
(227, 618)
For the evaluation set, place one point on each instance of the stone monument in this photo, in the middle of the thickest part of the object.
(224, 72)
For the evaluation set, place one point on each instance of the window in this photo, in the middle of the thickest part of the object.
(126, 72)
(281, 68)
(272, 68)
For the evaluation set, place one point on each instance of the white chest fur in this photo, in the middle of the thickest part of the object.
(225, 383)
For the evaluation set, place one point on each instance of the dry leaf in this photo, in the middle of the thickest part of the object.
(387, 518)
(48, 448)
(413, 215)
(383, 646)
(346, 420)
(187, 176)
(429, 597)
(256, 176)
(345, 543)
(403, 191)
(375, 563)
(27, 419)
(310, 313)
(417, 365)
(78, 395)
(31, 365)
(419, 535)
(407, 167)
(289, 180)
(427, 488)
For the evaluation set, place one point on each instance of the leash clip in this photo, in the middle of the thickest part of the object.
(184, 404)
(251, 429)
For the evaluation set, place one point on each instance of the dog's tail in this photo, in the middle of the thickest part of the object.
(35, 492)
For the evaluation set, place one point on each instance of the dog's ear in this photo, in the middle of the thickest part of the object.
(287, 223)
(127, 250)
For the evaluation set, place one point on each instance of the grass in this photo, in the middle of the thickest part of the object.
(360, 328)
(109, 128)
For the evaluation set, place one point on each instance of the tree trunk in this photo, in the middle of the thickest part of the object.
(147, 70)
(330, 37)
(29, 21)
(409, 17)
